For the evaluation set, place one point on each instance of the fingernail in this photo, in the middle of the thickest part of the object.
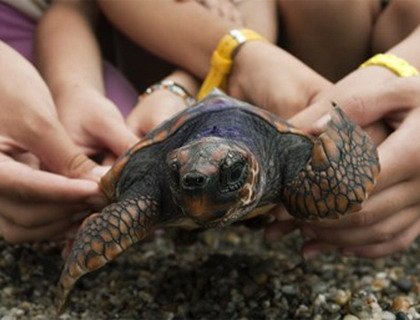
(308, 233)
(321, 123)
(310, 254)
(99, 171)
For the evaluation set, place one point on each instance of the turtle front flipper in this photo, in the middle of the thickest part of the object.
(103, 236)
(338, 177)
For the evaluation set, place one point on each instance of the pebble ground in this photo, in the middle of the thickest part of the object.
(229, 274)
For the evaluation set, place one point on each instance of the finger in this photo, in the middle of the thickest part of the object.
(313, 248)
(27, 159)
(136, 121)
(114, 135)
(109, 160)
(24, 183)
(145, 117)
(32, 215)
(383, 231)
(378, 207)
(280, 213)
(365, 106)
(401, 243)
(15, 234)
(397, 165)
(49, 142)
(277, 230)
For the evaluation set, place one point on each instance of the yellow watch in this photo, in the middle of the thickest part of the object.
(222, 59)
(393, 63)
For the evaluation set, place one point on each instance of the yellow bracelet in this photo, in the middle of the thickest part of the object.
(393, 63)
(222, 59)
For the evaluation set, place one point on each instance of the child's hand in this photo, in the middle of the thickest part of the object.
(274, 80)
(36, 204)
(94, 123)
(153, 109)
(390, 219)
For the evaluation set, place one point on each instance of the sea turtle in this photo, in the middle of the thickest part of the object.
(219, 162)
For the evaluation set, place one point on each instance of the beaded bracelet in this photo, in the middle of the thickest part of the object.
(173, 87)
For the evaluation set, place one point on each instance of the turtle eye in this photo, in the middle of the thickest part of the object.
(233, 176)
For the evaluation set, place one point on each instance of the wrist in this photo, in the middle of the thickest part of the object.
(186, 80)
(171, 87)
(223, 57)
(240, 81)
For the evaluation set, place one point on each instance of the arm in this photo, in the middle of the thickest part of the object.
(190, 46)
(143, 119)
(389, 220)
(265, 22)
(37, 204)
(70, 61)
(70, 55)
(183, 33)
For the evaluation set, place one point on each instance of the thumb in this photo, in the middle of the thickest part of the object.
(363, 107)
(58, 153)
(115, 135)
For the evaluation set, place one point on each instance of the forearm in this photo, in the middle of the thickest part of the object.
(260, 16)
(67, 50)
(409, 48)
(182, 33)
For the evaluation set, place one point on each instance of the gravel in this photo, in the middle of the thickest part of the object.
(227, 274)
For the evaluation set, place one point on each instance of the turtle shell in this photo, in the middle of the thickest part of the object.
(216, 101)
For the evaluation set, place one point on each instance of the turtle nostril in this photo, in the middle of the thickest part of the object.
(194, 180)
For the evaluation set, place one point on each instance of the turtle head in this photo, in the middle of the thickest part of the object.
(214, 180)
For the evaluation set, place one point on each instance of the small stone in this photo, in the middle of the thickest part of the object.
(379, 284)
(342, 297)
(404, 284)
(8, 291)
(386, 315)
(401, 303)
(401, 316)
(266, 304)
(289, 289)
(320, 287)
(320, 300)
(332, 307)
(261, 279)
(233, 238)
(350, 317)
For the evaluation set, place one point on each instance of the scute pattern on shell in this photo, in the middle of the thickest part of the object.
(341, 173)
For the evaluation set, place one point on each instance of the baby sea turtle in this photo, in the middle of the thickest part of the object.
(220, 162)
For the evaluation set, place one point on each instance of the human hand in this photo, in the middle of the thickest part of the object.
(389, 220)
(269, 77)
(93, 122)
(153, 109)
(358, 95)
(35, 204)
